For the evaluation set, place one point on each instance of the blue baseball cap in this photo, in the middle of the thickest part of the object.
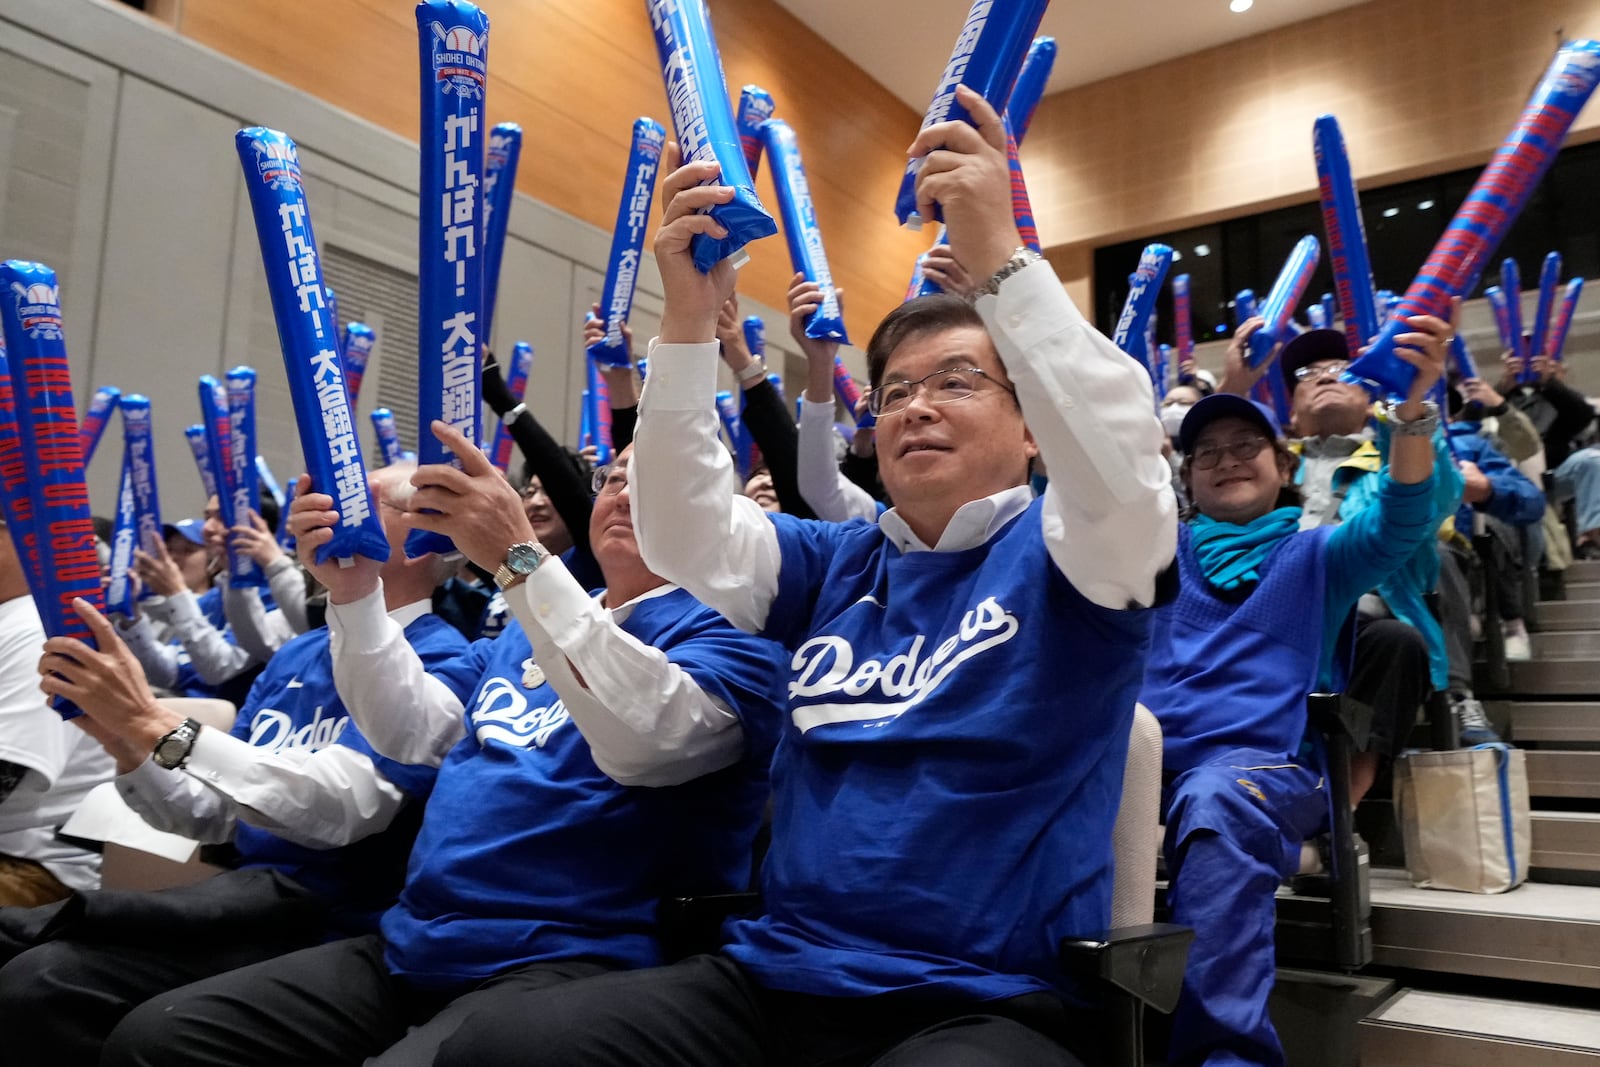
(192, 530)
(1223, 406)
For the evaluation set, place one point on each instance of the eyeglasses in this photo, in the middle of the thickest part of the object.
(941, 387)
(1243, 449)
(610, 480)
(1318, 371)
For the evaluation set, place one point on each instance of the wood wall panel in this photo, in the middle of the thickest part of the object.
(576, 76)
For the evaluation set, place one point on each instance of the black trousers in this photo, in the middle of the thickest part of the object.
(706, 1012)
(76, 969)
(1389, 674)
(331, 1004)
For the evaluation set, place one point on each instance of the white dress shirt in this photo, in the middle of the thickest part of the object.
(625, 684)
(322, 799)
(832, 496)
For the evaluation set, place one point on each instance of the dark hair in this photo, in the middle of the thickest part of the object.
(1289, 496)
(579, 466)
(934, 313)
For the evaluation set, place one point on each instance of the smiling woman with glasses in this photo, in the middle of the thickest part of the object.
(1259, 610)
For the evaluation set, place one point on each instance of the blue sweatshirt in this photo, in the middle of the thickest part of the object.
(1231, 670)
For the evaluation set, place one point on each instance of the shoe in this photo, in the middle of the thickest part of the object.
(1475, 728)
(1519, 649)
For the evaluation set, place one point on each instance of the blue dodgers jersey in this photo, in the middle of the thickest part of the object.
(528, 852)
(294, 705)
(946, 782)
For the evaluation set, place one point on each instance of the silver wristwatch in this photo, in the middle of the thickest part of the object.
(1422, 427)
(172, 751)
(1021, 258)
(521, 559)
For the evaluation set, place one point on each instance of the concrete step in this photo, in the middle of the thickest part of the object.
(1554, 773)
(1582, 590)
(1571, 644)
(1535, 933)
(1566, 846)
(1582, 570)
(1557, 677)
(1566, 615)
(1540, 722)
(1423, 1028)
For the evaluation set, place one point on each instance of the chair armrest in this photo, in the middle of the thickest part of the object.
(1144, 961)
(1335, 715)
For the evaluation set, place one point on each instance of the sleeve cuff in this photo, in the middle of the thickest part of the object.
(185, 609)
(361, 624)
(682, 377)
(556, 603)
(1030, 306)
(218, 759)
(816, 413)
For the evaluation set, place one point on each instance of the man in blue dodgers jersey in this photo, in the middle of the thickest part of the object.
(533, 867)
(945, 788)
(323, 826)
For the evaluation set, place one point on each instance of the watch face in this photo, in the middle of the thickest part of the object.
(522, 558)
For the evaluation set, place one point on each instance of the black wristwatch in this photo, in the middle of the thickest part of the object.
(172, 751)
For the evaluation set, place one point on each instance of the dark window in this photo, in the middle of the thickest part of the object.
(1403, 222)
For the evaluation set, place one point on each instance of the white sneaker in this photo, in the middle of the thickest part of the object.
(1519, 649)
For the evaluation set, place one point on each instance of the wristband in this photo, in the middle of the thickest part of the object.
(514, 414)
(752, 372)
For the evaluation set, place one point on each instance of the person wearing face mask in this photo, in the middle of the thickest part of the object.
(1253, 630)
(1177, 404)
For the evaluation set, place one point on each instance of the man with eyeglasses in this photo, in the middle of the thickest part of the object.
(962, 678)
(536, 862)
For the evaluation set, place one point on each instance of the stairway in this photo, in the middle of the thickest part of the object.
(1465, 980)
(1510, 980)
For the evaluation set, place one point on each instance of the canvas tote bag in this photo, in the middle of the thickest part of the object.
(1464, 817)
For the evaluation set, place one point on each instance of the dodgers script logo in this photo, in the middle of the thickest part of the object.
(458, 61)
(503, 715)
(826, 666)
(39, 308)
(274, 731)
(277, 162)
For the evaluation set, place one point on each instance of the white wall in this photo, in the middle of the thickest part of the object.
(117, 167)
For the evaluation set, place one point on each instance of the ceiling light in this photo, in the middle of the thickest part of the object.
(1425, 205)
(1390, 212)
(1202, 250)
(1176, 255)
(1239, 7)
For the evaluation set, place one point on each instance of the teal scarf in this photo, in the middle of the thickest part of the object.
(1231, 556)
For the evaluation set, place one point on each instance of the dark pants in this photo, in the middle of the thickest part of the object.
(707, 1012)
(76, 969)
(1390, 675)
(331, 1004)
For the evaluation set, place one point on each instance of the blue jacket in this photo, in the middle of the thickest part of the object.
(1515, 500)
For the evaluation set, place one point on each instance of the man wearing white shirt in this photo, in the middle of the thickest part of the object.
(962, 680)
(532, 867)
(322, 824)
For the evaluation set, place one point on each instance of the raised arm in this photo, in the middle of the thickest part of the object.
(1110, 518)
(770, 425)
(692, 529)
(824, 487)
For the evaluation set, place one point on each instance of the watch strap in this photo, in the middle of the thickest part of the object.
(752, 372)
(1022, 258)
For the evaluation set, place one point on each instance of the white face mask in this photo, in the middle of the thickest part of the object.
(1172, 417)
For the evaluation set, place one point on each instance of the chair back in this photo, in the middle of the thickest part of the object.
(1136, 837)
